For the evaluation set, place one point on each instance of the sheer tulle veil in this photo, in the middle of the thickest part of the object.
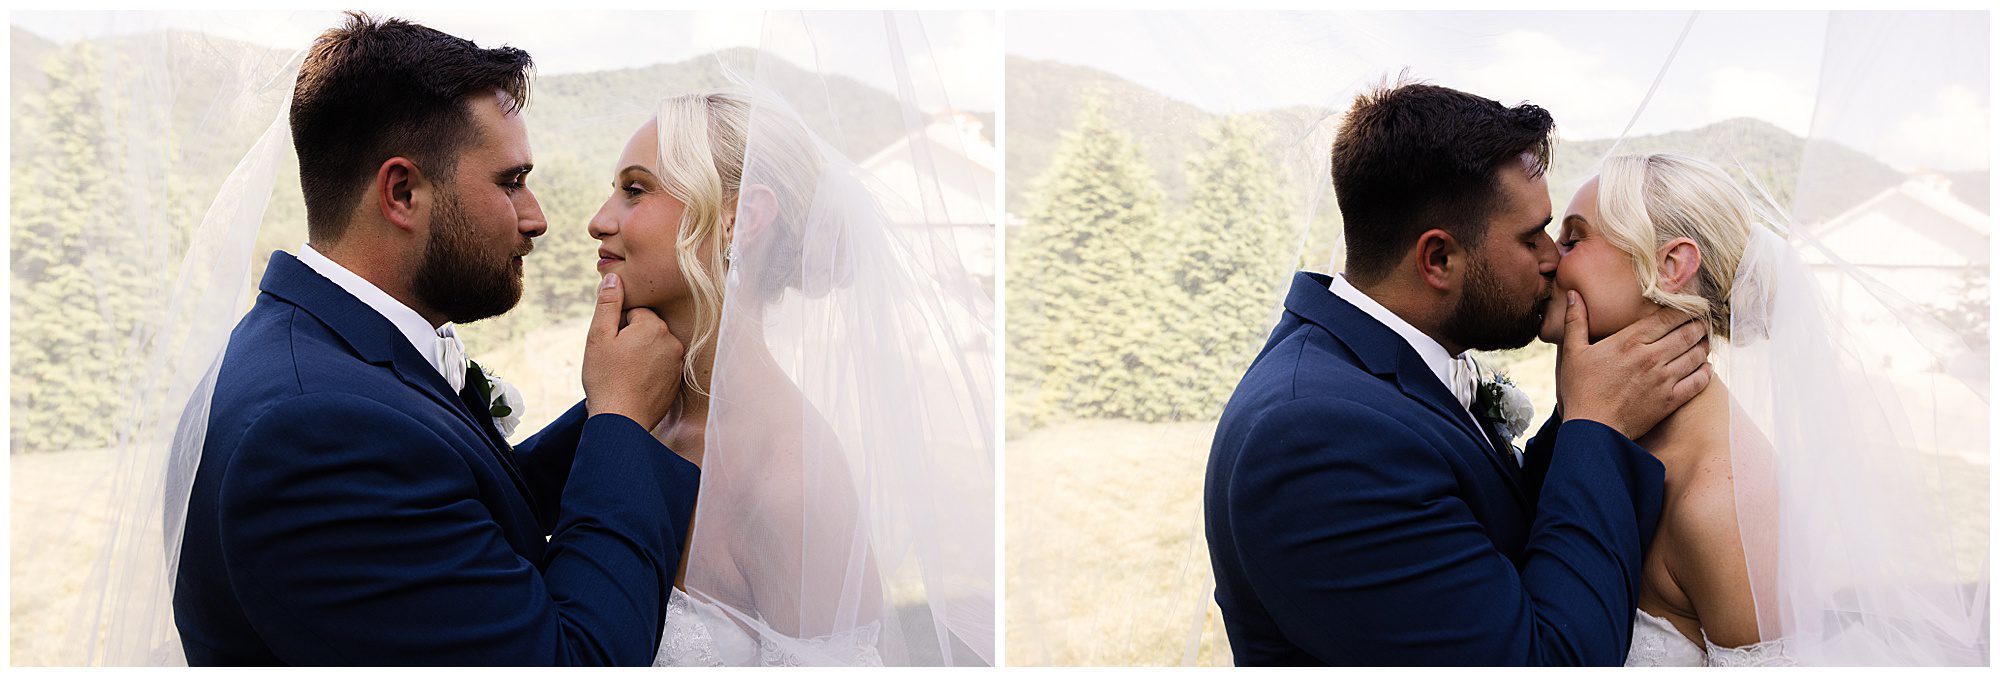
(848, 470)
(133, 513)
(852, 330)
(1853, 355)
(1851, 551)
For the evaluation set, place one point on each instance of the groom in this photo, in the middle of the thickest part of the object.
(1357, 511)
(354, 502)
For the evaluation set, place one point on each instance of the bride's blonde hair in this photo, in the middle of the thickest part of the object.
(1646, 201)
(702, 140)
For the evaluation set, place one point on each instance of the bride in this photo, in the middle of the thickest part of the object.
(1746, 568)
(727, 219)
(669, 229)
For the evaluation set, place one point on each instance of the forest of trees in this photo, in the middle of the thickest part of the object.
(120, 145)
(1123, 303)
(1152, 240)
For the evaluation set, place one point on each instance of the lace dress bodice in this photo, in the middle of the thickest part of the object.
(698, 634)
(1656, 643)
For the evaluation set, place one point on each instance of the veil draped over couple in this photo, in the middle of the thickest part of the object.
(1664, 515)
(1763, 198)
(784, 454)
(1736, 472)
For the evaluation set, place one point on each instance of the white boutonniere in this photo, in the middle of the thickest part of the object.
(503, 400)
(1503, 403)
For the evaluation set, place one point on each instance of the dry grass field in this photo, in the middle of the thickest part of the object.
(1105, 562)
(60, 515)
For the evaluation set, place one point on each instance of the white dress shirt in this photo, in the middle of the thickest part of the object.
(1454, 371)
(427, 341)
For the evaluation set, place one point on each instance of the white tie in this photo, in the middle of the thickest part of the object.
(451, 359)
(1464, 380)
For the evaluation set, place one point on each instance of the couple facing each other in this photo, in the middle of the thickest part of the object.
(1363, 507)
(354, 501)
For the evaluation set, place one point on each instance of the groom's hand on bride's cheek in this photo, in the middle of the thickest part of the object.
(631, 363)
(1632, 379)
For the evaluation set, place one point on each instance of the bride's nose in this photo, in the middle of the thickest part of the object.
(602, 225)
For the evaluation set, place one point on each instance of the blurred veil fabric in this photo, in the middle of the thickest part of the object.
(846, 510)
(174, 140)
(859, 298)
(1868, 403)
(1868, 130)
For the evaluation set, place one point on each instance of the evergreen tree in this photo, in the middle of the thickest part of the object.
(65, 310)
(1229, 258)
(1077, 286)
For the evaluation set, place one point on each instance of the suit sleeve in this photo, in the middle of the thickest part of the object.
(350, 549)
(1360, 547)
(545, 460)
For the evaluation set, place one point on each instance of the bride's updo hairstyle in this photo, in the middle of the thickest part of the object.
(702, 139)
(1646, 201)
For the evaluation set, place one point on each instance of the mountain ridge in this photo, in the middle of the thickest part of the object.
(1042, 97)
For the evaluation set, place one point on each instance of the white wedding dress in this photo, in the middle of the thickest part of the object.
(1656, 643)
(698, 634)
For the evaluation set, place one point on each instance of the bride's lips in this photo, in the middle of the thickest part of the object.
(605, 259)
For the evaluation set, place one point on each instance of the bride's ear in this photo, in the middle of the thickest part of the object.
(756, 208)
(1680, 263)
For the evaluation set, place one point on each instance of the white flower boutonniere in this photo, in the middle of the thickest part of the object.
(1503, 403)
(503, 400)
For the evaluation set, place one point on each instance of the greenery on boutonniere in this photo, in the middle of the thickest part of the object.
(503, 401)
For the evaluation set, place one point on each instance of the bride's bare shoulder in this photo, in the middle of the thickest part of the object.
(1705, 548)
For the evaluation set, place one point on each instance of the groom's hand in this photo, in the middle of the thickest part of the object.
(1633, 379)
(633, 370)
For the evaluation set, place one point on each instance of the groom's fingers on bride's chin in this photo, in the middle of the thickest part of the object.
(1576, 324)
(610, 298)
(639, 316)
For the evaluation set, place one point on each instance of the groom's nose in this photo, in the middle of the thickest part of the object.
(1548, 255)
(533, 224)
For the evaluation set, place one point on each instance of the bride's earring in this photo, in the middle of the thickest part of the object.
(729, 257)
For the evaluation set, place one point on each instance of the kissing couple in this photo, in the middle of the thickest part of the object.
(1365, 504)
(728, 492)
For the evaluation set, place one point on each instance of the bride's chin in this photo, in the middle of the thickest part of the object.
(1552, 320)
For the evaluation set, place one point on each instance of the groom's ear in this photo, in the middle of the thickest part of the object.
(402, 194)
(1440, 260)
(1680, 263)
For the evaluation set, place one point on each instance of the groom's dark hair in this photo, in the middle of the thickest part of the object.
(1413, 156)
(371, 90)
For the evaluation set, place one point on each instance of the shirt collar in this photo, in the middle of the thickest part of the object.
(413, 326)
(1432, 352)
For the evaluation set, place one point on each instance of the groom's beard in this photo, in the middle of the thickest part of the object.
(462, 278)
(1487, 318)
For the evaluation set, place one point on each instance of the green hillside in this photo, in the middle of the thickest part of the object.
(1147, 234)
(1043, 97)
(91, 256)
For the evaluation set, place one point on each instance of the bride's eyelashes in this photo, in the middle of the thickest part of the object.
(635, 182)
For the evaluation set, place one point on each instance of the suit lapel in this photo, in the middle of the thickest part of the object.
(376, 341)
(481, 411)
(1384, 353)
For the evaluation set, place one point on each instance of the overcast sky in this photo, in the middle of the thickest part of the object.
(1911, 89)
(963, 44)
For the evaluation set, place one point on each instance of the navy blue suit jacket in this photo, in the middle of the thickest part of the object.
(1357, 515)
(349, 508)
